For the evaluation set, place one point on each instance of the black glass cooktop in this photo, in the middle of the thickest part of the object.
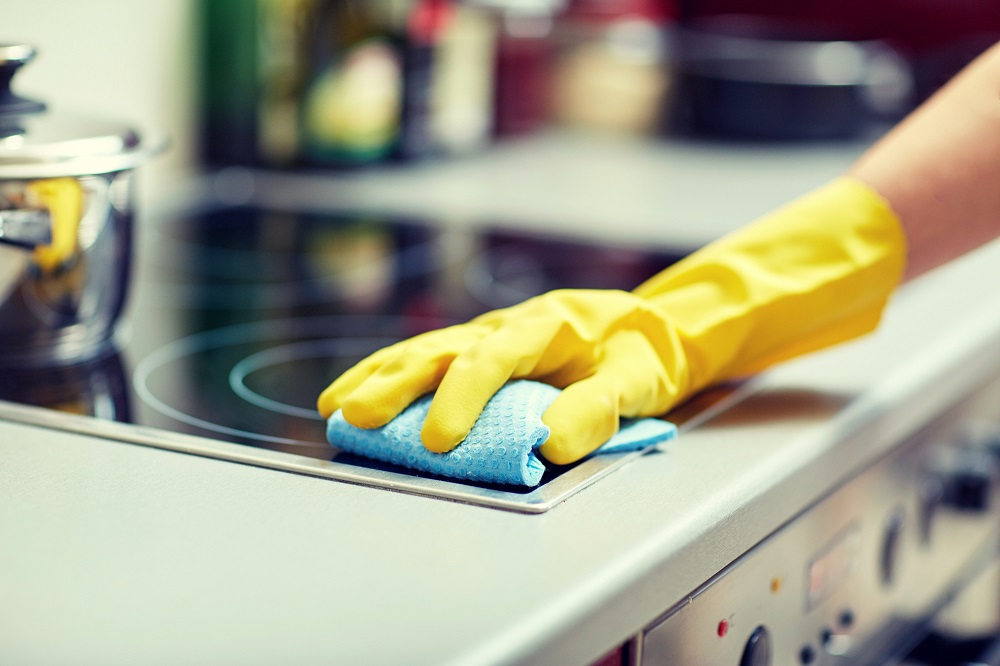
(239, 317)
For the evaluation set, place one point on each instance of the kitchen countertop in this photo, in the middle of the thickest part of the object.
(118, 553)
(673, 194)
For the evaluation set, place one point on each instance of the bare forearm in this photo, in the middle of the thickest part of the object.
(940, 168)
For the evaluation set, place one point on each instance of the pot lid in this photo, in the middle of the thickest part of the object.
(36, 142)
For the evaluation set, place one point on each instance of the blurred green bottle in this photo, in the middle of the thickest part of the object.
(255, 68)
(344, 83)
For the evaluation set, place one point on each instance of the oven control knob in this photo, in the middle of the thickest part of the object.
(931, 496)
(758, 649)
(969, 483)
(889, 553)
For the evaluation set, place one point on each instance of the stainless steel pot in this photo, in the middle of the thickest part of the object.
(66, 225)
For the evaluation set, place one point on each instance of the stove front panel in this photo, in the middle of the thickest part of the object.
(856, 578)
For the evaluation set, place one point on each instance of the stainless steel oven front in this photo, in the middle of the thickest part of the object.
(895, 566)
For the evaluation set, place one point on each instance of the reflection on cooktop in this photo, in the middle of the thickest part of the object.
(96, 387)
(242, 316)
(262, 378)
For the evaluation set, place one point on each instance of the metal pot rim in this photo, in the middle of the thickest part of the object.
(74, 166)
(38, 143)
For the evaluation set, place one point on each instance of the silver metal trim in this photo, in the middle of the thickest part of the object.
(634, 649)
(538, 500)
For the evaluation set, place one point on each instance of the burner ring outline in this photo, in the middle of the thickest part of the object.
(293, 351)
(242, 333)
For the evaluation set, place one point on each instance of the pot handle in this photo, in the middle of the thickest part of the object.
(26, 228)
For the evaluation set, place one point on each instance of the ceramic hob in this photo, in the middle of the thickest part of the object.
(240, 316)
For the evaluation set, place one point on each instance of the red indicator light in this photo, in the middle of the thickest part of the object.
(723, 628)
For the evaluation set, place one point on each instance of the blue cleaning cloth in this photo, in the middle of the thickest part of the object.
(499, 449)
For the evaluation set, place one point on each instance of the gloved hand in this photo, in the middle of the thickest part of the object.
(816, 272)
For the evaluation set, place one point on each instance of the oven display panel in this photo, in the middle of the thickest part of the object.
(832, 566)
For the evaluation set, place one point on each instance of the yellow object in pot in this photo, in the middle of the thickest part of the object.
(63, 197)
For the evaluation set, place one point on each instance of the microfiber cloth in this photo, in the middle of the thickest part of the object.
(499, 449)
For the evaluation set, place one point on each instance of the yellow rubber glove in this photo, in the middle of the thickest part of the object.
(64, 199)
(816, 272)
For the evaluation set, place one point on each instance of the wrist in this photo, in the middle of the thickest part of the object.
(816, 272)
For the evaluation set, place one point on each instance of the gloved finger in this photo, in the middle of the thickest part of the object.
(333, 396)
(632, 367)
(476, 375)
(582, 418)
(390, 389)
(628, 382)
(416, 368)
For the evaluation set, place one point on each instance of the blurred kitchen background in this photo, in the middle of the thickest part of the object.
(339, 87)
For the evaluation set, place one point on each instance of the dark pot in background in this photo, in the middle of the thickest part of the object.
(749, 78)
